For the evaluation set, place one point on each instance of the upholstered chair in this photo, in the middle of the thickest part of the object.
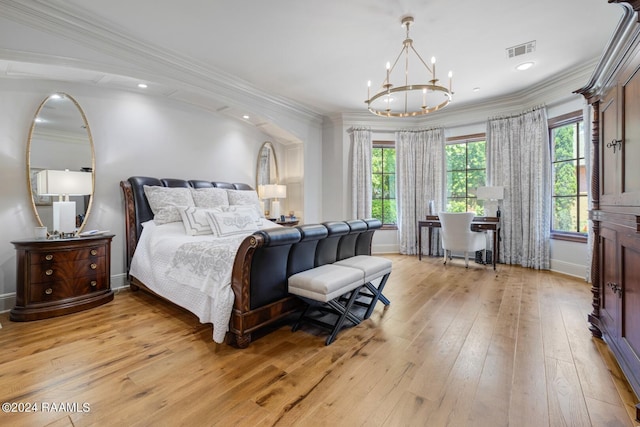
(457, 235)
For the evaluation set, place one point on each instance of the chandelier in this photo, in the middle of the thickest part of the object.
(409, 100)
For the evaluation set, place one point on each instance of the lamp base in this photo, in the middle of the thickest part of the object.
(275, 209)
(64, 217)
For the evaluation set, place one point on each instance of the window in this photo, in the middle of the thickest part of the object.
(569, 193)
(466, 171)
(383, 179)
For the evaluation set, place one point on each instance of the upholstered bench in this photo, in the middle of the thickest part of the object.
(324, 286)
(373, 267)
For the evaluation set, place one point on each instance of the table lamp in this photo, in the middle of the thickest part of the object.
(491, 196)
(64, 184)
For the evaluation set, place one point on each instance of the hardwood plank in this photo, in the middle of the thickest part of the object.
(455, 347)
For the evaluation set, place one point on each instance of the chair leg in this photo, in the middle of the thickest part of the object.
(466, 259)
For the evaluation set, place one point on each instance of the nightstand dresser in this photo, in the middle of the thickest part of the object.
(57, 277)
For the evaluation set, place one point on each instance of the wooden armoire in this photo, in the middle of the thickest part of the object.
(614, 95)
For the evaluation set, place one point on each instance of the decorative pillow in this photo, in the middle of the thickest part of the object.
(195, 220)
(230, 223)
(244, 198)
(164, 202)
(210, 197)
(246, 210)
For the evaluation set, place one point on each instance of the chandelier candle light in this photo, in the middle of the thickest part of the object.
(415, 95)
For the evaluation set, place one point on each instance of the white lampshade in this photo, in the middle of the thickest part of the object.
(490, 193)
(273, 191)
(69, 183)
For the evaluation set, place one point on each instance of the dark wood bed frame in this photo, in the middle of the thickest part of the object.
(244, 319)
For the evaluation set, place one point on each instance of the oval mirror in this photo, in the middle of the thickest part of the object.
(266, 170)
(60, 146)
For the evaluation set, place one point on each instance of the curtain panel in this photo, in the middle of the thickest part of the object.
(519, 158)
(419, 179)
(361, 187)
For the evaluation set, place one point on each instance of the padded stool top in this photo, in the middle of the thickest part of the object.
(372, 266)
(325, 282)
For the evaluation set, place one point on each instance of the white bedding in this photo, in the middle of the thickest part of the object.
(194, 272)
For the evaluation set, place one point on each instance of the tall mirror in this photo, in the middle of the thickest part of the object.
(60, 164)
(266, 172)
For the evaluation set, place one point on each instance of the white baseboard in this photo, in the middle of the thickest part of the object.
(576, 270)
(385, 249)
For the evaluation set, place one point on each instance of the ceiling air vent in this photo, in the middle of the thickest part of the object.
(521, 49)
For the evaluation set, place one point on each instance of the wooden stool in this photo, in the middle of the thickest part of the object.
(323, 286)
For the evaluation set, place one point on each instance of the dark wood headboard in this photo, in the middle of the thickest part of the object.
(138, 211)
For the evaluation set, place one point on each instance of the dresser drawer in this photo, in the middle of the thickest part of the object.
(58, 290)
(61, 271)
(68, 255)
(61, 276)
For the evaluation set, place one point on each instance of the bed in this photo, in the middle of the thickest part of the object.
(233, 276)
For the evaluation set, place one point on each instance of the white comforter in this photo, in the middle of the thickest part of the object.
(191, 271)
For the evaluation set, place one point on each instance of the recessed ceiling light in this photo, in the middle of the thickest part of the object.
(246, 117)
(142, 85)
(524, 66)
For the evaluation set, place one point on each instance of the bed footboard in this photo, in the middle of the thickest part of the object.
(261, 298)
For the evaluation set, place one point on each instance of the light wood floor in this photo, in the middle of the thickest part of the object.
(456, 347)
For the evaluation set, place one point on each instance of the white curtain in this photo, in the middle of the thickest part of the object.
(518, 158)
(361, 188)
(419, 179)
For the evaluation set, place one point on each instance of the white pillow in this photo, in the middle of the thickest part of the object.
(230, 223)
(164, 202)
(195, 220)
(244, 209)
(210, 197)
(244, 198)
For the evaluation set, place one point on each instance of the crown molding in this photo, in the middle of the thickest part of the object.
(146, 61)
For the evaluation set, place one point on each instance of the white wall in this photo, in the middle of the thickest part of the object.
(135, 134)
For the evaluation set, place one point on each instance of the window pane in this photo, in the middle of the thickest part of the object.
(376, 160)
(390, 160)
(466, 164)
(564, 142)
(457, 184)
(564, 178)
(376, 183)
(565, 214)
(477, 155)
(582, 181)
(384, 183)
(583, 218)
(475, 179)
(456, 157)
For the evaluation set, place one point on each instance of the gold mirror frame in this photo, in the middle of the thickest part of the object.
(267, 151)
(31, 184)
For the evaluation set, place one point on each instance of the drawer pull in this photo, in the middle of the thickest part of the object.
(93, 283)
(49, 272)
(48, 257)
(94, 252)
(94, 266)
(48, 291)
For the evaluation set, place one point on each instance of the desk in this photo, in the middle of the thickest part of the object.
(480, 223)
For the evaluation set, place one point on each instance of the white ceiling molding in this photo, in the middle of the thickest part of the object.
(175, 69)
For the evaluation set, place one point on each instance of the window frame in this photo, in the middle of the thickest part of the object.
(574, 117)
(464, 139)
(386, 144)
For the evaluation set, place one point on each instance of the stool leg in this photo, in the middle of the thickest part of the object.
(304, 313)
(377, 295)
(340, 321)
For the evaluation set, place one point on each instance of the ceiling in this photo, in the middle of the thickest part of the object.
(317, 55)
